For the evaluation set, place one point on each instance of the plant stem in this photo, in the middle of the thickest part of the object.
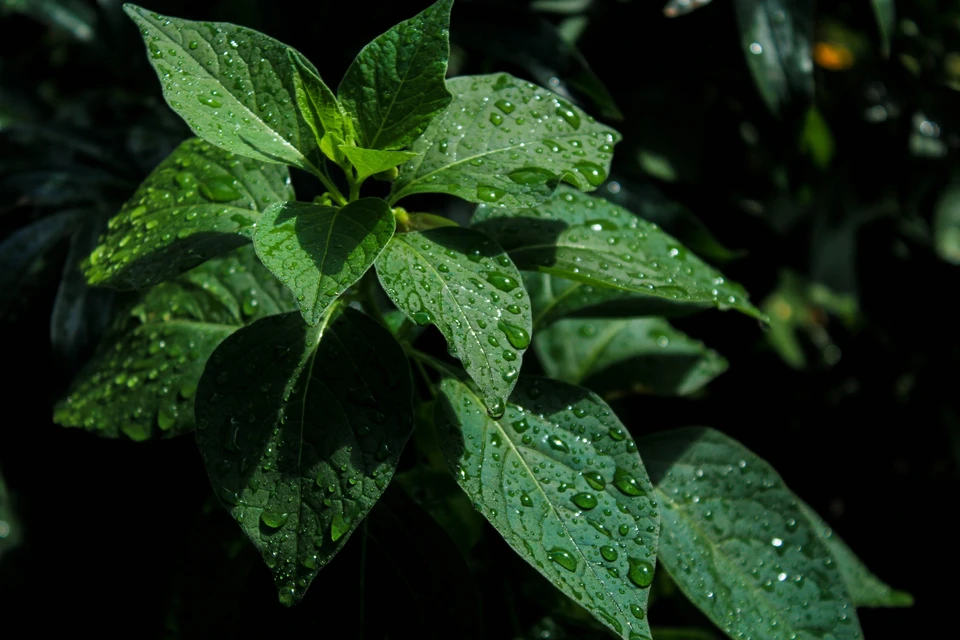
(321, 172)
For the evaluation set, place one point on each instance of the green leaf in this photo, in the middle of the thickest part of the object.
(142, 380)
(736, 542)
(777, 43)
(555, 298)
(199, 202)
(946, 224)
(593, 241)
(509, 142)
(300, 429)
(886, 14)
(865, 589)
(370, 161)
(318, 252)
(395, 86)
(560, 479)
(234, 86)
(461, 281)
(320, 108)
(640, 355)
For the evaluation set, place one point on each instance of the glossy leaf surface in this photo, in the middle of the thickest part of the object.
(461, 281)
(508, 143)
(301, 429)
(319, 251)
(201, 201)
(735, 540)
(560, 479)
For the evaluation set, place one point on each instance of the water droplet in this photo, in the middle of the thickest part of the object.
(637, 612)
(505, 105)
(609, 553)
(219, 189)
(496, 119)
(557, 444)
(489, 194)
(525, 499)
(193, 45)
(520, 425)
(595, 480)
(529, 176)
(422, 317)
(516, 336)
(566, 112)
(641, 572)
(584, 500)
(627, 484)
(502, 281)
(273, 520)
(562, 558)
(496, 408)
(209, 102)
(594, 173)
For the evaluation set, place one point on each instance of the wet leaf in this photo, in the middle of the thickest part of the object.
(777, 36)
(737, 543)
(640, 355)
(560, 479)
(318, 252)
(506, 142)
(300, 429)
(395, 86)
(232, 85)
(370, 161)
(198, 203)
(462, 282)
(588, 239)
(141, 381)
(320, 109)
(865, 589)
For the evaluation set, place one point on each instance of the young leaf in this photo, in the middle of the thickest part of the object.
(142, 380)
(640, 355)
(777, 44)
(509, 142)
(320, 108)
(234, 86)
(301, 429)
(588, 239)
(370, 161)
(396, 86)
(865, 589)
(319, 251)
(561, 481)
(556, 298)
(201, 201)
(461, 281)
(736, 541)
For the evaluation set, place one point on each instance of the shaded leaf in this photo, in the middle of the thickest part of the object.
(588, 239)
(370, 161)
(232, 85)
(865, 589)
(141, 381)
(9, 525)
(300, 429)
(886, 14)
(640, 355)
(73, 16)
(395, 86)
(946, 224)
(777, 36)
(509, 142)
(461, 281)
(736, 542)
(560, 480)
(320, 108)
(201, 201)
(318, 252)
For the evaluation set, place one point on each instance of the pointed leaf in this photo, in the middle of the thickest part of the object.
(865, 589)
(301, 429)
(142, 380)
(461, 281)
(736, 541)
(320, 108)
(234, 86)
(588, 239)
(201, 201)
(886, 14)
(555, 298)
(395, 86)
(509, 142)
(640, 355)
(319, 251)
(777, 42)
(561, 481)
(370, 161)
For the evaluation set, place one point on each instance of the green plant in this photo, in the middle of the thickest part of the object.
(294, 368)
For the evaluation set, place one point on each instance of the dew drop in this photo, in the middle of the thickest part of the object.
(640, 573)
(562, 558)
(584, 500)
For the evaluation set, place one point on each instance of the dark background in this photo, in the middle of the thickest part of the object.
(123, 539)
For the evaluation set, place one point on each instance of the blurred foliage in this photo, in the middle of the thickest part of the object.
(811, 148)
